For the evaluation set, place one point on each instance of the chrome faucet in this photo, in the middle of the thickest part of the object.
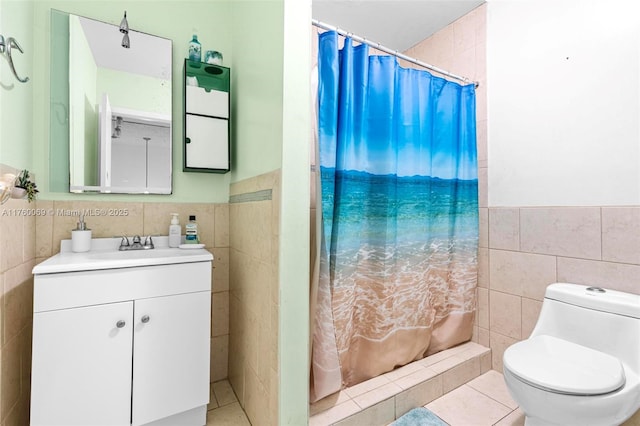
(137, 244)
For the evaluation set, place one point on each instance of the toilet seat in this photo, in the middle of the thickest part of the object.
(559, 366)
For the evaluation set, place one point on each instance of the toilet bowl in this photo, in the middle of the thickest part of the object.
(581, 364)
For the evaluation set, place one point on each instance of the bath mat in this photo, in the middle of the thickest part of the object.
(419, 417)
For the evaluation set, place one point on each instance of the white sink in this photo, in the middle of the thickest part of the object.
(136, 254)
(104, 254)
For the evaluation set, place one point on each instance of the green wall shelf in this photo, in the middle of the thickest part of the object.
(206, 118)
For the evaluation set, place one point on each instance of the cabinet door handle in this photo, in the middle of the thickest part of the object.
(120, 324)
(145, 319)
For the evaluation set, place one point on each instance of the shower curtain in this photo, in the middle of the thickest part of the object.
(399, 201)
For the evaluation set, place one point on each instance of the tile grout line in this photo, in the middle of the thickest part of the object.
(478, 356)
(505, 416)
(490, 397)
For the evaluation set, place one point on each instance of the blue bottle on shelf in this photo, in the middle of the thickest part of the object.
(195, 49)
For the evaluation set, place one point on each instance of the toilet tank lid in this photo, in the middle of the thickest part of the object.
(605, 300)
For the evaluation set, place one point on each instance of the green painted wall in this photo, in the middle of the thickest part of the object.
(16, 99)
(136, 91)
(294, 215)
(271, 101)
(256, 87)
(175, 20)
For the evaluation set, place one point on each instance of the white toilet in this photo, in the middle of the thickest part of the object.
(581, 364)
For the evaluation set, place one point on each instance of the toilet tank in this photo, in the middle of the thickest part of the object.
(601, 319)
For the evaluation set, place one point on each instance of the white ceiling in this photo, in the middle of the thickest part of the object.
(149, 55)
(397, 24)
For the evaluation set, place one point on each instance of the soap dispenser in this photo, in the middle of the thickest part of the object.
(81, 237)
(175, 231)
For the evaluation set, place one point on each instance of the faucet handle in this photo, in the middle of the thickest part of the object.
(148, 242)
(124, 243)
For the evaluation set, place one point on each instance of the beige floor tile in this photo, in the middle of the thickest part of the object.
(224, 393)
(213, 402)
(634, 420)
(229, 415)
(492, 384)
(516, 418)
(466, 406)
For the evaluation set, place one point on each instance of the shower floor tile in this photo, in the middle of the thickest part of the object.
(483, 401)
(392, 394)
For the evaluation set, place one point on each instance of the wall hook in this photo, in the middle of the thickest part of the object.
(6, 47)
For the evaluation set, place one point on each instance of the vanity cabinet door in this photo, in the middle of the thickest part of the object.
(170, 355)
(81, 366)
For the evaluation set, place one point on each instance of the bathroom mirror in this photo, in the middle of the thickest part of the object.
(111, 106)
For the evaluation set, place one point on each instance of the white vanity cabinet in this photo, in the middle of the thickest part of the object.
(123, 346)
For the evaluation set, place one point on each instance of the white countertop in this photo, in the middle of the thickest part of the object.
(104, 254)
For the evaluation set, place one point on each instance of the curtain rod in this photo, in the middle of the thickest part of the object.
(382, 48)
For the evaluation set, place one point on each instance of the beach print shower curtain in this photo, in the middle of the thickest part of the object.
(399, 199)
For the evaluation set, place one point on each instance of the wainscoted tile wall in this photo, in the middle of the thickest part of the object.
(525, 249)
(17, 259)
(112, 219)
(254, 215)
